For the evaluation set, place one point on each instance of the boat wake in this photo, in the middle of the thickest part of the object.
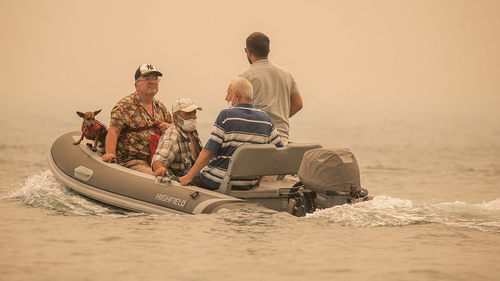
(45, 191)
(387, 211)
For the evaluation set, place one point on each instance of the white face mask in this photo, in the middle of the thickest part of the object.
(230, 102)
(189, 125)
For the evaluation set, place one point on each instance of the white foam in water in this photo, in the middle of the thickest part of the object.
(492, 205)
(46, 191)
(484, 216)
(388, 211)
(381, 211)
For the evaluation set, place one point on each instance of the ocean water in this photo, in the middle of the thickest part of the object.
(411, 87)
(435, 216)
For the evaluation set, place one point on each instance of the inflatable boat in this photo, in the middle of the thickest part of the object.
(82, 170)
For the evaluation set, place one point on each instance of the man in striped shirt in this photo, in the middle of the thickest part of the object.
(241, 123)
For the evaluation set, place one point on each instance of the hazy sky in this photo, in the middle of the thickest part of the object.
(367, 60)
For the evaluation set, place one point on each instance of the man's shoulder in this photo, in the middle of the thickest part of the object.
(248, 112)
(226, 112)
(171, 133)
(264, 68)
(276, 67)
(258, 115)
(124, 107)
(256, 66)
(262, 115)
(238, 110)
(127, 100)
(132, 97)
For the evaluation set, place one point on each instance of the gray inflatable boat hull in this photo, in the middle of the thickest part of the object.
(83, 170)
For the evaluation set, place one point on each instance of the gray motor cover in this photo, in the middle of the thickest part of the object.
(327, 170)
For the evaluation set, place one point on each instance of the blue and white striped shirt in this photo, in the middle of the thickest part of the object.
(233, 127)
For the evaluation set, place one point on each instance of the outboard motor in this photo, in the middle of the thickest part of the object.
(328, 177)
(300, 200)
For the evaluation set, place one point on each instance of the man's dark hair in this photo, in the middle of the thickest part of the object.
(258, 44)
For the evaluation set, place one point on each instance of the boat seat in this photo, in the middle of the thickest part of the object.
(251, 160)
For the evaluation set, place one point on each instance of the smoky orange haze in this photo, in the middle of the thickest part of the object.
(354, 61)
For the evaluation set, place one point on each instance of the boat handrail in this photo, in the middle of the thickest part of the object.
(250, 160)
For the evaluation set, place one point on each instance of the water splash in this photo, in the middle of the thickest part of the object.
(484, 216)
(388, 211)
(45, 191)
(381, 211)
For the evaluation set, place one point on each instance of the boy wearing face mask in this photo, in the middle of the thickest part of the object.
(180, 145)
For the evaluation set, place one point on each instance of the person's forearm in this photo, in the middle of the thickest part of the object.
(157, 165)
(159, 169)
(296, 104)
(112, 139)
(201, 162)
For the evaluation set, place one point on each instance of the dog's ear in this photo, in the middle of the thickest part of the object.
(81, 114)
(97, 112)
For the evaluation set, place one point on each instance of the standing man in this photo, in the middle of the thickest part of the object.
(180, 145)
(135, 120)
(243, 123)
(274, 88)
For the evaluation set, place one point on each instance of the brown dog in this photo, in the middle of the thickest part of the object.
(92, 129)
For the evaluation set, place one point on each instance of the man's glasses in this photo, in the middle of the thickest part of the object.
(150, 78)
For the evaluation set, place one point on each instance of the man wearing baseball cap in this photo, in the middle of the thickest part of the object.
(180, 145)
(137, 122)
(145, 70)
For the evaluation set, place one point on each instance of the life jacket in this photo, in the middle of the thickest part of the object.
(89, 132)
